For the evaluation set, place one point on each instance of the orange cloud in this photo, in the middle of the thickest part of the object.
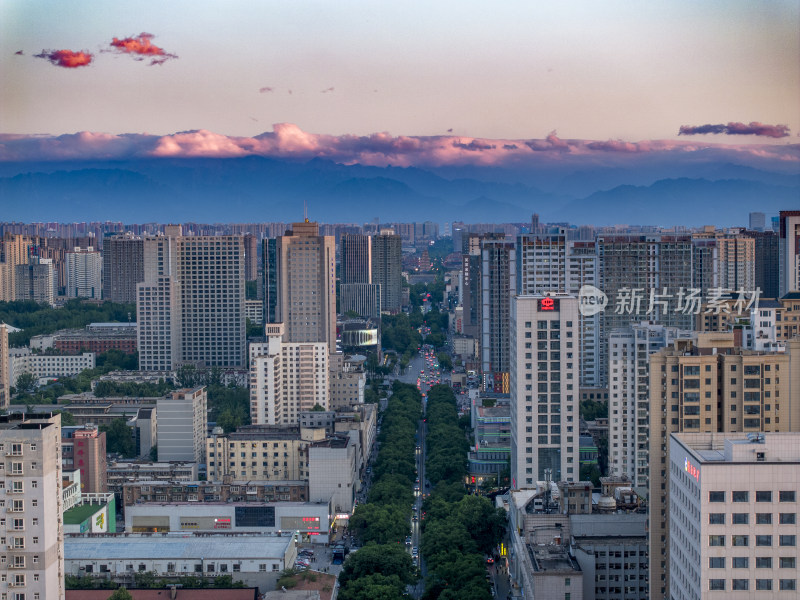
(141, 46)
(67, 58)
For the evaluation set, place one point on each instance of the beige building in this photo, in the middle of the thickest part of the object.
(306, 285)
(261, 452)
(5, 369)
(32, 528)
(15, 250)
(286, 377)
(347, 380)
(711, 386)
(733, 513)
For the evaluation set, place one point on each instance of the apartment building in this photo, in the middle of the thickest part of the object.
(711, 386)
(47, 366)
(31, 529)
(227, 490)
(123, 266)
(83, 449)
(5, 371)
(181, 425)
(36, 281)
(733, 515)
(84, 270)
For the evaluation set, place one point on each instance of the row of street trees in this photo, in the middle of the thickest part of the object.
(459, 530)
(382, 568)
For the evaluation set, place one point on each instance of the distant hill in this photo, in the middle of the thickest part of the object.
(265, 189)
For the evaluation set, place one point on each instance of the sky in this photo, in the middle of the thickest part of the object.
(404, 74)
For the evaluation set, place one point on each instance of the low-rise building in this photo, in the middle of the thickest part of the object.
(255, 559)
(121, 472)
(83, 448)
(45, 367)
(333, 472)
(138, 492)
(95, 337)
(347, 380)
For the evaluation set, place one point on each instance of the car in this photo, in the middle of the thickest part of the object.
(408, 541)
(414, 551)
(490, 561)
(414, 518)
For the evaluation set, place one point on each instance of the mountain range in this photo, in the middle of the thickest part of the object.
(256, 189)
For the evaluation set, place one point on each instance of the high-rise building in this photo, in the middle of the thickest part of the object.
(498, 286)
(84, 273)
(190, 307)
(35, 281)
(711, 386)
(83, 448)
(766, 262)
(549, 262)
(306, 285)
(181, 426)
(15, 252)
(724, 260)
(33, 528)
(362, 298)
(733, 514)
(789, 252)
(629, 398)
(758, 221)
(123, 266)
(250, 257)
(356, 258)
(632, 270)
(387, 269)
(5, 369)
(269, 275)
(544, 389)
(286, 377)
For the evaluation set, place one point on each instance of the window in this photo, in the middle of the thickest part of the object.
(740, 540)
(716, 497)
(788, 518)
(741, 562)
(763, 518)
(763, 496)
(788, 584)
(716, 518)
(740, 584)
(716, 562)
(788, 540)
(716, 584)
(716, 540)
(763, 562)
(741, 496)
(262, 567)
(740, 518)
(763, 584)
(789, 496)
(788, 562)
(763, 540)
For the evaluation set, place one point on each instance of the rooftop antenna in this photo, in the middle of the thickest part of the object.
(305, 212)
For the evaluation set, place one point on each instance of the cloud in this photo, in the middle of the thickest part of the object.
(734, 128)
(140, 47)
(265, 90)
(19, 53)
(67, 58)
(326, 90)
(287, 140)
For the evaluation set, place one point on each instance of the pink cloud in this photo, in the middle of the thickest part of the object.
(67, 58)
(735, 128)
(141, 46)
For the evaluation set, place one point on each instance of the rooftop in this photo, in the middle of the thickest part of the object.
(78, 514)
(552, 559)
(163, 594)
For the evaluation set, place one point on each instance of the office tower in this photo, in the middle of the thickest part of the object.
(15, 252)
(32, 529)
(766, 261)
(181, 426)
(705, 387)
(306, 285)
(286, 378)
(250, 257)
(633, 269)
(123, 267)
(548, 262)
(5, 369)
(758, 221)
(35, 281)
(387, 269)
(498, 285)
(84, 273)
(83, 448)
(471, 280)
(544, 389)
(190, 306)
(629, 398)
(789, 252)
(269, 274)
(733, 514)
(362, 298)
(356, 258)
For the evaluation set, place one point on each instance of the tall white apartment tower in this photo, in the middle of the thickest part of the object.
(548, 262)
(32, 528)
(190, 306)
(84, 273)
(545, 355)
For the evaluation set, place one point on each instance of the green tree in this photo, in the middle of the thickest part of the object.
(26, 383)
(374, 586)
(67, 418)
(119, 438)
(121, 593)
(445, 362)
(253, 329)
(591, 472)
(386, 559)
(318, 408)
